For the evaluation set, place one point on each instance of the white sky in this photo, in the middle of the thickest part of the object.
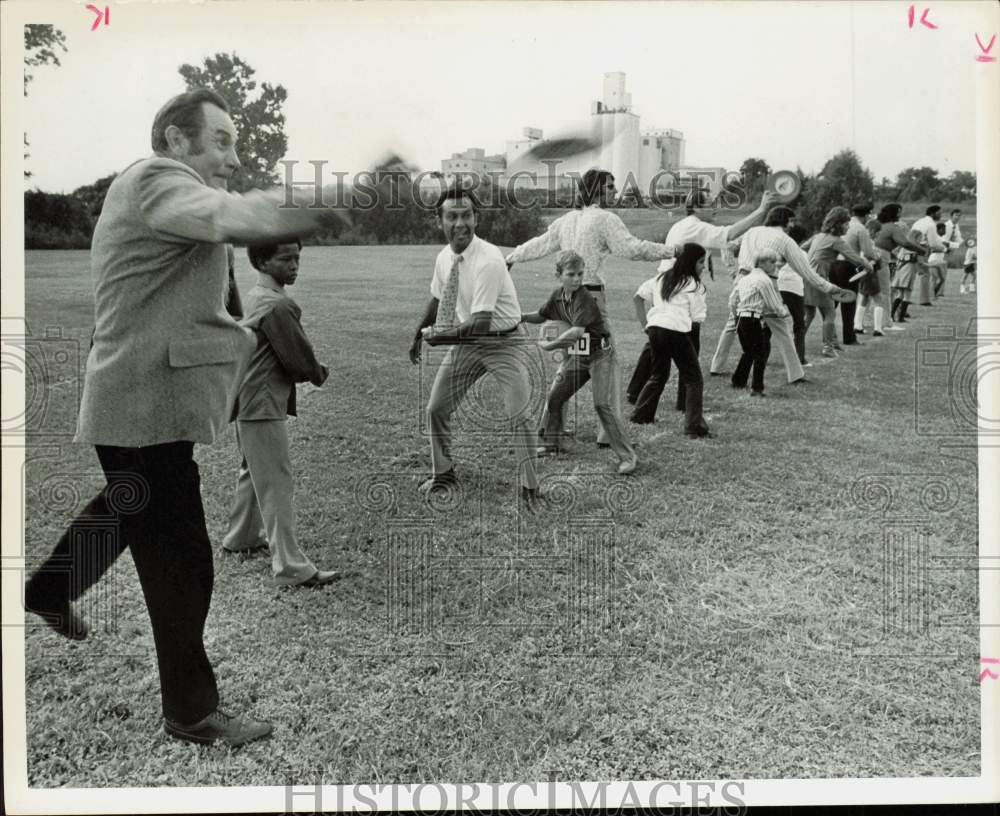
(792, 83)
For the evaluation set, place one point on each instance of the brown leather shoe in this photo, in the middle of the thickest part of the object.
(220, 726)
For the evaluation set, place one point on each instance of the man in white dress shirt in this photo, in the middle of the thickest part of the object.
(474, 309)
(924, 231)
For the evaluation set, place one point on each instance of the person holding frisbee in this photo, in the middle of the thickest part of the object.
(596, 362)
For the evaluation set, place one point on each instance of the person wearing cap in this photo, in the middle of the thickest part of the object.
(774, 235)
(593, 232)
(696, 227)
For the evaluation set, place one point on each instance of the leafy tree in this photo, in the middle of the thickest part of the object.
(55, 221)
(92, 195)
(918, 183)
(754, 173)
(843, 182)
(260, 123)
(959, 186)
(40, 43)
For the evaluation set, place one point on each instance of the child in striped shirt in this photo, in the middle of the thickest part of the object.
(755, 297)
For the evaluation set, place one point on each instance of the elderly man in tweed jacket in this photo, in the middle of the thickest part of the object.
(162, 375)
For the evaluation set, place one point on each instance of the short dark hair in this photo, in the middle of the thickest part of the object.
(933, 210)
(590, 185)
(955, 211)
(889, 213)
(260, 254)
(456, 192)
(184, 111)
(779, 216)
(862, 209)
(798, 233)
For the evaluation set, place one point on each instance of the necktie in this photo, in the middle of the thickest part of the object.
(446, 318)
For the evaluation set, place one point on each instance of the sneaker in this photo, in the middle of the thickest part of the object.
(961, 290)
(800, 381)
(807, 365)
(877, 334)
(220, 726)
(828, 352)
(859, 331)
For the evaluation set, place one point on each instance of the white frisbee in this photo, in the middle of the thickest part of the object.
(785, 184)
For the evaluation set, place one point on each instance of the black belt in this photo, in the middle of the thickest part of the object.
(594, 287)
(755, 315)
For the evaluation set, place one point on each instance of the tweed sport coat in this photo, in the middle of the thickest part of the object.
(167, 359)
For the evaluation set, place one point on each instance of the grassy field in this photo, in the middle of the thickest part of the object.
(731, 610)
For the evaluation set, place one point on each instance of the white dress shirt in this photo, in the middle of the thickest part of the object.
(484, 284)
(692, 230)
(927, 227)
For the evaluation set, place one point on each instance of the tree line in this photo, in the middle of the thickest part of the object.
(66, 221)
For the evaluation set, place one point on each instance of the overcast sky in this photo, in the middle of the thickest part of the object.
(791, 83)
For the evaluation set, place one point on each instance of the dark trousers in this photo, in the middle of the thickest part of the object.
(755, 340)
(644, 365)
(153, 499)
(666, 346)
(796, 309)
(841, 273)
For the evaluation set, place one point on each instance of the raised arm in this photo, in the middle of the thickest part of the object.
(752, 220)
(173, 201)
(799, 261)
(538, 247)
(624, 244)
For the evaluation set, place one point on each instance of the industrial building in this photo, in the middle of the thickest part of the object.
(636, 157)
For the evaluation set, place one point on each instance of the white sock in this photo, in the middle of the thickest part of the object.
(878, 318)
(972, 287)
(859, 319)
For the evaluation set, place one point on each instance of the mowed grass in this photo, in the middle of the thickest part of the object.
(721, 613)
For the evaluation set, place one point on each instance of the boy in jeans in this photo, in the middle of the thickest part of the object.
(594, 360)
(755, 297)
(262, 515)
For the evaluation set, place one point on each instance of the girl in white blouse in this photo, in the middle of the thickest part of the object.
(677, 297)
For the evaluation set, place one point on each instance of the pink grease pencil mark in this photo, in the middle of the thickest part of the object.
(986, 672)
(985, 57)
(106, 15)
(923, 18)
